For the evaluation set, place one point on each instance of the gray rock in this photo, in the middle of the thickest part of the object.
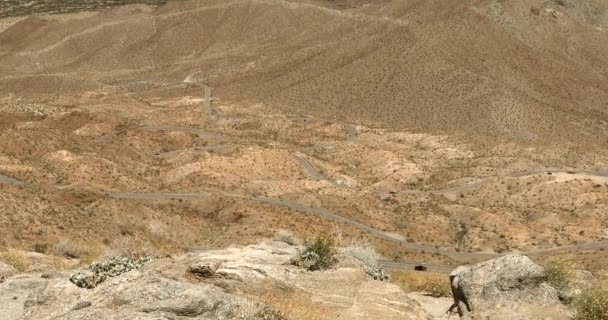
(163, 289)
(512, 279)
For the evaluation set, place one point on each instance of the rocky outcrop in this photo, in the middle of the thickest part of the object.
(235, 283)
(509, 287)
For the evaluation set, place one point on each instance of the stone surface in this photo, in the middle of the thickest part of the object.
(6, 271)
(511, 286)
(165, 289)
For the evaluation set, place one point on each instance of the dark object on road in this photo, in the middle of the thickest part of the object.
(549, 173)
(420, 268)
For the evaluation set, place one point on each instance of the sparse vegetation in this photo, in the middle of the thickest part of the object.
(86, 253)
(559, 273)
(15, 259)
(593, 304)
(318, 254)
(363, 252)
(286, 237)
(433, 284)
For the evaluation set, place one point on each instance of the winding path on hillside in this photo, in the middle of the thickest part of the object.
(327, 215)
(9, 180)
(308, 167)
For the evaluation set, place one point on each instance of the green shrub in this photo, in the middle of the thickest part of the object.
(593, 304)
(318, 254)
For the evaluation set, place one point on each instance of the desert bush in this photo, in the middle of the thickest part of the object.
(593, 304)
(559, 273)
(132, 247)
(286, 237)
(15, 259)
(41, 247)
(363, 252)
(86, 253)
(433, 284)
(318, 254)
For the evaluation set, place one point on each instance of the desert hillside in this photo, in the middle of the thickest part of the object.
(527, 70)
(442, 131)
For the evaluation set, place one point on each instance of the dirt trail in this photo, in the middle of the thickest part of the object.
(158, 196)
(325, 214)
(308, 167)
(9, 181)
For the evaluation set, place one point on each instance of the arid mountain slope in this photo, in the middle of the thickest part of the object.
(462, 128)
(529, 70)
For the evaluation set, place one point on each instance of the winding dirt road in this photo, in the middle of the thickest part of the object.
(327, 215)
(308, 167)
(9, 181)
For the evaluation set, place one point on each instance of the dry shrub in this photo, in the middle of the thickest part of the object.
(559, 273)
(286, 237)
(15, 259)
(363, 252)
(132, 247)
(593, 304)
(431, 283)
(86, 253)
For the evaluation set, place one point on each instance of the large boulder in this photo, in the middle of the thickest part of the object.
(511, 282)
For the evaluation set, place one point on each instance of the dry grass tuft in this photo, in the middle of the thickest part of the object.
(434, 284)
(593, 304)
(86, 253)
(133, 247)
(559, 273)
(286, 237)
(15, 259)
